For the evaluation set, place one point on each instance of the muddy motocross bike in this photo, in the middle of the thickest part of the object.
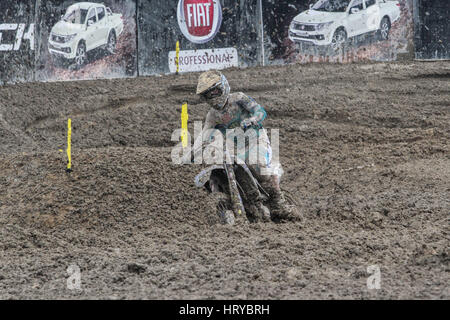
(241, 198)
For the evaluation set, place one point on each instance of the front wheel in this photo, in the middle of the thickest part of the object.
(339, 39)
(227, 217)
(80, 56)
(385, 27)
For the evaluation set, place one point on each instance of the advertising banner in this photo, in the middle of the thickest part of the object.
(203, 59)
(86, 40)
(212, 34)
(52, 40)
(337, 30)
(432, 20)
(17, 41)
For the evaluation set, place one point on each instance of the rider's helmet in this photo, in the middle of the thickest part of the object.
(213, 88)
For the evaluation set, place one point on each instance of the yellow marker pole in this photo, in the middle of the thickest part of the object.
(69, 146)
(184, 123)
(177, 59)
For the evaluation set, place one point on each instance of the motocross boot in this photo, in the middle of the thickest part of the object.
(263, 211)
(258, 212)
(280, 209)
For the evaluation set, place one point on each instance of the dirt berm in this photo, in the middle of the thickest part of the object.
(365, 149)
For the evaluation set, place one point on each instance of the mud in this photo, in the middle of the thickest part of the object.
(365, 148)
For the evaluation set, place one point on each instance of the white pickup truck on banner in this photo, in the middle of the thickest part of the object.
(203, 59)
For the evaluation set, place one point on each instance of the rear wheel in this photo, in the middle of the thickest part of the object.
(112, 42)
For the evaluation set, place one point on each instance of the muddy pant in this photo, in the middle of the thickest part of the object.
(259, 159)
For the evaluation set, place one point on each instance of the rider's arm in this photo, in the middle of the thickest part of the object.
(257, 112)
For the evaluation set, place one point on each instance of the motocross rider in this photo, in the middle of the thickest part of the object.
(231, 110)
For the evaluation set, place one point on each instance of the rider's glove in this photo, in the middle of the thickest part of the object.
(246, 123)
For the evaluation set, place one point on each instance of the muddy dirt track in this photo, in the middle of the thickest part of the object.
(365, 148)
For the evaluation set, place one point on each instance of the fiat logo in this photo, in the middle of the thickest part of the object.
(199, 20)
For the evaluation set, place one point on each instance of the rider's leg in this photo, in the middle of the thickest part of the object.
(269, 174)
(279, 207)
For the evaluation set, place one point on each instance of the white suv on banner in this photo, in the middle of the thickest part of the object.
(84, 27)
(332, 22)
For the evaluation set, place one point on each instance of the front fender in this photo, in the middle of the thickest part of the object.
(203, 177)
(78, 41)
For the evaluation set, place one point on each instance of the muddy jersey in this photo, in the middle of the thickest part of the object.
(238, 107)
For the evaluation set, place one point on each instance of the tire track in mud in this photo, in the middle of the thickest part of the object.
(189, 88)
(13, 136)
(114, 104)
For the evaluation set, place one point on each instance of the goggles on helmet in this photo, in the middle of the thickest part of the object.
(212, 93)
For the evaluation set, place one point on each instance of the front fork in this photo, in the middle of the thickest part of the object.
(236, 200)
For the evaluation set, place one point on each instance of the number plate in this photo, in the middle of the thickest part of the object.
(303, 34)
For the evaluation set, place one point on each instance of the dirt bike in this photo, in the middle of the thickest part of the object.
(240, 195)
